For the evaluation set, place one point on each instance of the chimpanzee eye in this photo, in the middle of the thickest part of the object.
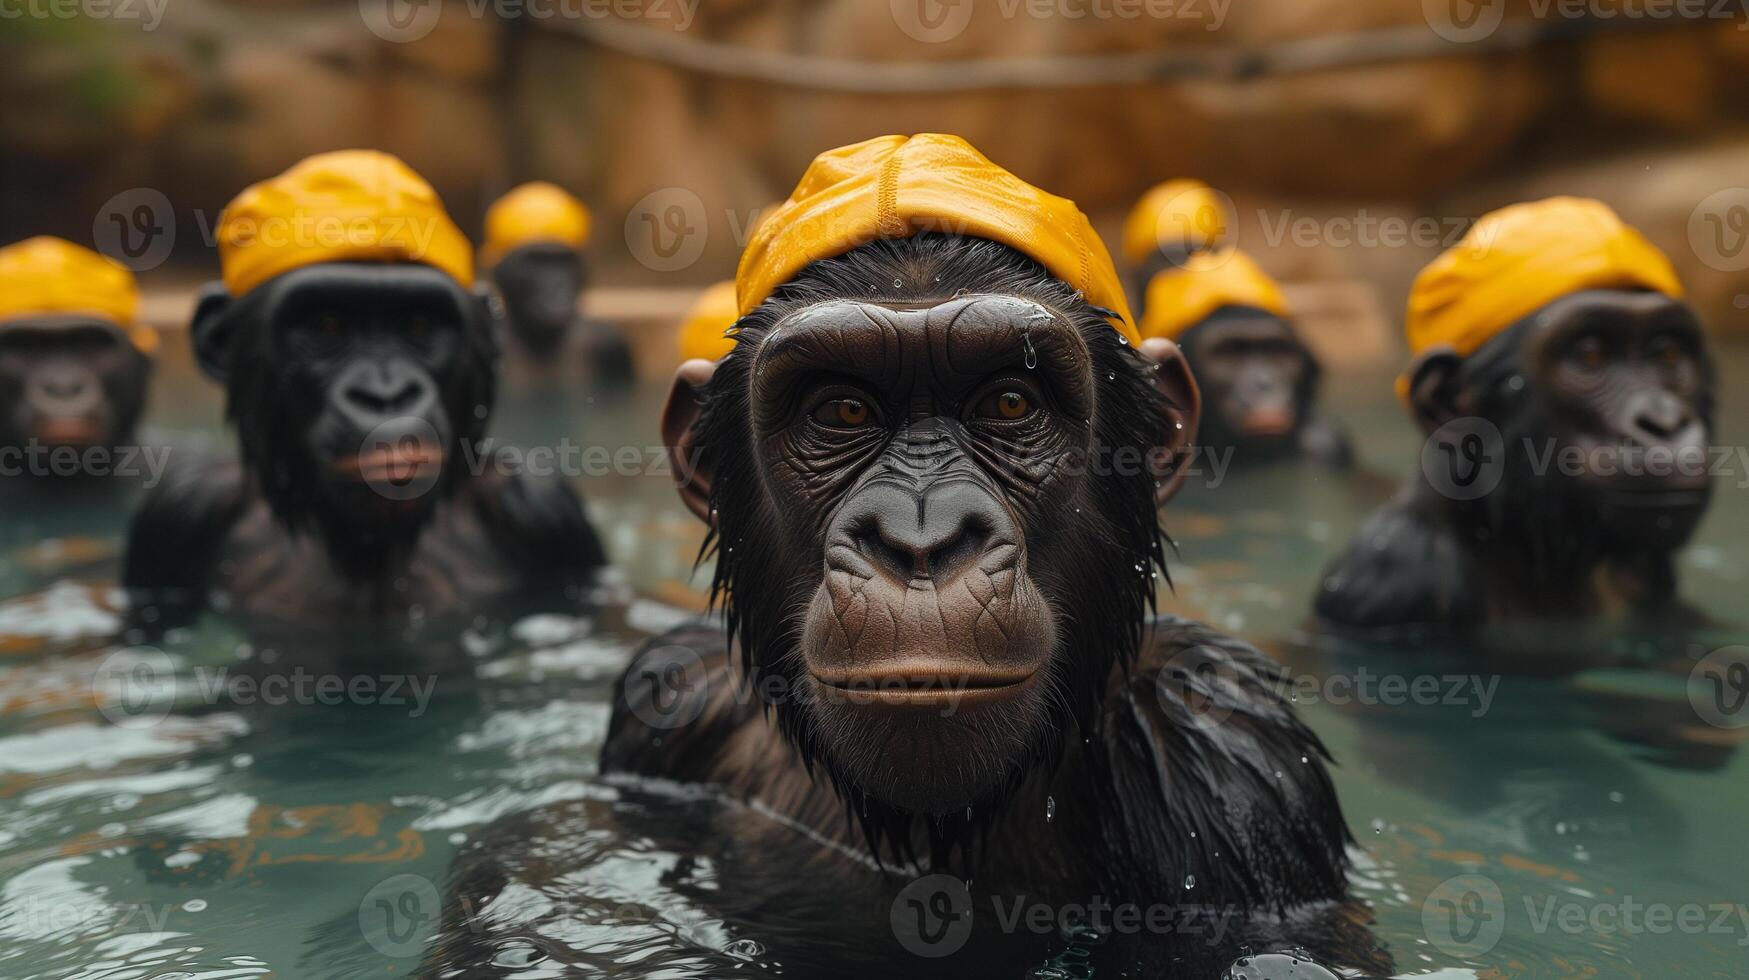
(1589, 354)
(1005, 405)
(843, 413)
(328, 324)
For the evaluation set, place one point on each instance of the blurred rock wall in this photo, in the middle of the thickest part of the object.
(1321, 119)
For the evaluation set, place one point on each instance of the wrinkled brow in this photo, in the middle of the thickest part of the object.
(966, 336)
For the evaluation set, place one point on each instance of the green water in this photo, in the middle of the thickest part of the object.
(236, 838)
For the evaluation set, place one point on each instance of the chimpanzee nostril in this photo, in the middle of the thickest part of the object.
(371, 391)
(936, 536)
(1655, 417)
(63, 389)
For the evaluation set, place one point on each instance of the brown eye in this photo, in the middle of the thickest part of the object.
(328, 325)
(1589, 354)
(843, 413)
(1006, 406)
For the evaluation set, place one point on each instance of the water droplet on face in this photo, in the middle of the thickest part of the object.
(1031, 354)
(898, 283)
(1050, 808)
(1189, 882)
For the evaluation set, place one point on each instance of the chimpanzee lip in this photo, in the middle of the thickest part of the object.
(923, 684)
(393, 463)
(1266, 423)
(69, 431)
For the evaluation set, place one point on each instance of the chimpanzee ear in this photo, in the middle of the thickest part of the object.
(692, 468)
(489, 307)
(1434, 392)
(211, 331)
(1183, 413)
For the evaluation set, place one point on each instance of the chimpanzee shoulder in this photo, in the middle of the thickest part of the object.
(1406, 568)
(180, 528)
(539, 523)
(1199, 764)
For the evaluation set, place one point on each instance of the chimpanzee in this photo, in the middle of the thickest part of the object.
(931, 467)
(1172, 223)
(1567, 394)
(535, 237)
(1259, 381)
(74, 359)
(359, 371)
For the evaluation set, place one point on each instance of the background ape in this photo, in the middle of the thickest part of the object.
(74, 361)
(1568, 397)
(1171, 223)
(1259, 382)
(940, 594)
(535, 236)
(359, 373)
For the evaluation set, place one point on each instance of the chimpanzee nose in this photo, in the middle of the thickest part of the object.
(1658, 417)
(371, 391)
(935, 535)
(63, 389)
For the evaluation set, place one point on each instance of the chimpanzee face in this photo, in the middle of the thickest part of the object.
(1627, 383)
(540, 285)
(354, 387)
(923, 528)
(918, 449)
(69, 381)
(1257, 380)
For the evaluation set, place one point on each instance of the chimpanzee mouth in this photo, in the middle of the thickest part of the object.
(1263, 423)
(395, 465)
(69, 430)
(922, 685)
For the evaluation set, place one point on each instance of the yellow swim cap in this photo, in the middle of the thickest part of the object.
(899, 186)
(345, 206)
(534, 212)
(1518, 259)
(1178, 299)
(1187, 212)
(46, 276)
(701, 333)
